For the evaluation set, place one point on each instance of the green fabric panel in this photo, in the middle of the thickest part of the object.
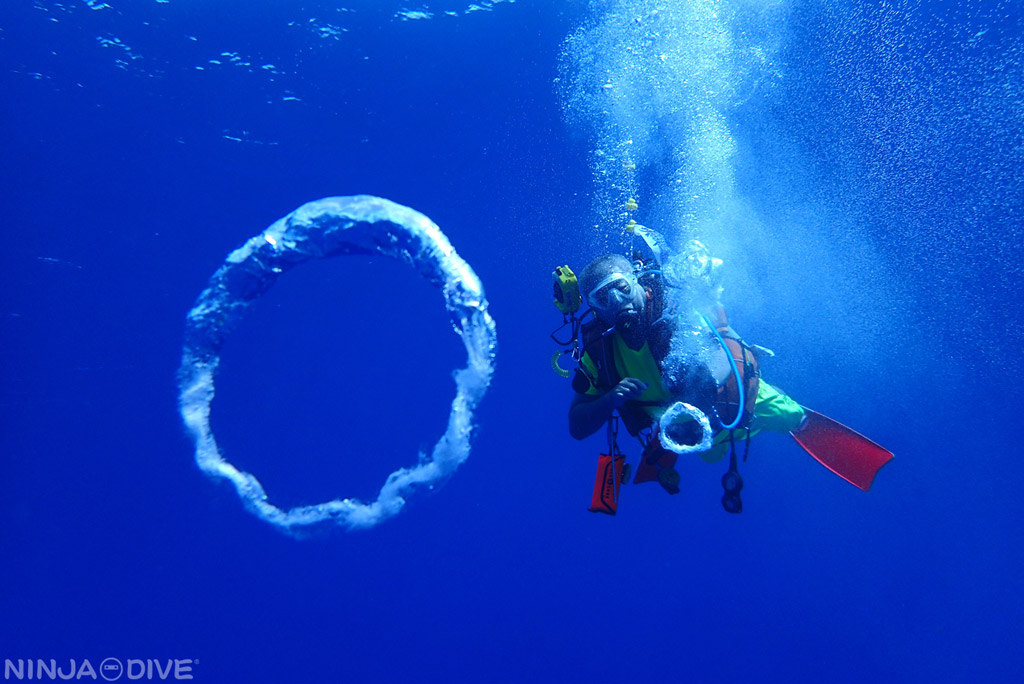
(775, 410)
(633, 364)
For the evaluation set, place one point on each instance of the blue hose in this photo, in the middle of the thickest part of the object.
(735, 371)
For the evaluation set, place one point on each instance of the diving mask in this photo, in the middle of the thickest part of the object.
(613, 291)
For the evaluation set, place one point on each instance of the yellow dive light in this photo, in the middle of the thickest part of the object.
(567, 290)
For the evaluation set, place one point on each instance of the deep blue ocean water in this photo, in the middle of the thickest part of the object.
(857, 164)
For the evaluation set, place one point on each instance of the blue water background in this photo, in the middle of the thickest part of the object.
(884, 275)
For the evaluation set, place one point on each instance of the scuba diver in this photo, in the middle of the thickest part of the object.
(658, 353)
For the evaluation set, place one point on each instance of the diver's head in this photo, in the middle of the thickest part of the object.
(612, 290)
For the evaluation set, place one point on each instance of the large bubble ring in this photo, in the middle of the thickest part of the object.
(337, 225)
(671, 415)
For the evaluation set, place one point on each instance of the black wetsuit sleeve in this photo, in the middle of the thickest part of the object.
(581, 383)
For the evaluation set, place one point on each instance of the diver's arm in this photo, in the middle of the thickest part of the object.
(588, 412)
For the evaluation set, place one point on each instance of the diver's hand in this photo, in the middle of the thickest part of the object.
(589, 412)
(627, 390)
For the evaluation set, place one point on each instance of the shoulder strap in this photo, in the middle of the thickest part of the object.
(598, 347)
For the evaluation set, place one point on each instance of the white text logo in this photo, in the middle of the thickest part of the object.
(110, 669)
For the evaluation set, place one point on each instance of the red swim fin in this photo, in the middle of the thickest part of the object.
(848, 454)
